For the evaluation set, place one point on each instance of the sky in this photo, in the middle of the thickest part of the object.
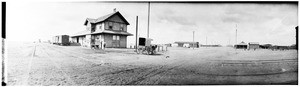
(213, 23)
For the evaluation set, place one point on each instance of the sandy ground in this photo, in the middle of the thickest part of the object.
(47, 64)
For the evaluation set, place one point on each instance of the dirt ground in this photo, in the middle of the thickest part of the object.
(46, 64)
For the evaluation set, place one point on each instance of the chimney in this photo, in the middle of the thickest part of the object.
(115, 10)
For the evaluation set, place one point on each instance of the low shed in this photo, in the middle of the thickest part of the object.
(241, 45)
(253, 45)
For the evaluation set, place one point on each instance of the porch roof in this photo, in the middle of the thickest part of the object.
(86, 32)
(113, 32)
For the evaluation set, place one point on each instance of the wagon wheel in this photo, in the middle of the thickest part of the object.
(139, 51)
(150, 51)
(144, 51)
(153, 52)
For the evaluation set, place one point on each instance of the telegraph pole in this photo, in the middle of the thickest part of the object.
(296, 37)
(136, 39)
(193, 39)
(206, 40)
(236, 34)
(148, 19)
(236, 37)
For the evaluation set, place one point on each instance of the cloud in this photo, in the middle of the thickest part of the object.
(173, 18)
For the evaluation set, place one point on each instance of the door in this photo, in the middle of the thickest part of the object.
(116, 41)
(77, 39)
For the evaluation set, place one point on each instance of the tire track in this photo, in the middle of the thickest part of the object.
(73, 53)
(59, 68)
(159, 70)
(143, 77)
(120, 70)
(25, 79)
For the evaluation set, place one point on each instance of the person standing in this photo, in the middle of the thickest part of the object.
(104, 45)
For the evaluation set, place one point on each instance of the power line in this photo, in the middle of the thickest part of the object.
(236, 34)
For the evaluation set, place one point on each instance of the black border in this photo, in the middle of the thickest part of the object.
(3, 20)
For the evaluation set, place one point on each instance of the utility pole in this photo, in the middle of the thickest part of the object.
(136, 39)
(148, 19)
(236, 37)
(236, 34)
(229, 41)
(193, 39)
(206, 40)
(296, 37)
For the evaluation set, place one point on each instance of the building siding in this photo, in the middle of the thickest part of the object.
(99, 27)
(123, 41)
(253, 46)
(108, 40)
(88, 40)
(116, 18)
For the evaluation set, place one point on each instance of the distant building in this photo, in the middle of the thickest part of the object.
(253, 45)
(169, 45)
(174, 45)
(210, 46)
(109, 31)
(265, 46)
(241, 45)
(186, 44)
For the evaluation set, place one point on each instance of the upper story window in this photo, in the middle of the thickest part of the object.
(93, 29)
(110, 25)
(122, 27)
(99, 26)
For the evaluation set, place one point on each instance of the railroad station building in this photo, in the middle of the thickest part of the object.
(110, 30)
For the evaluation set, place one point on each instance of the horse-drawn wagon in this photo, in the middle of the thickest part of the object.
(145, 46)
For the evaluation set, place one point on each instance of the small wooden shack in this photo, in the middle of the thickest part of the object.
(253, 45)
(241, 45)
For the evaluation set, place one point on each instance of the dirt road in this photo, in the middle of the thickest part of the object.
(47, 64)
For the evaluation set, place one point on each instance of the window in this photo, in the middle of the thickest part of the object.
(93, 28)
(121, 27)
(115, 37)
(99, 26)
(110, 25)
(118, 37)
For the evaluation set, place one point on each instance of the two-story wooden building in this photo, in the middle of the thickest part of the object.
(110, 29)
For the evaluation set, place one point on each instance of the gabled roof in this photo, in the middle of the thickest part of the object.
(242, 43)
(104, 18)
(253, 43)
